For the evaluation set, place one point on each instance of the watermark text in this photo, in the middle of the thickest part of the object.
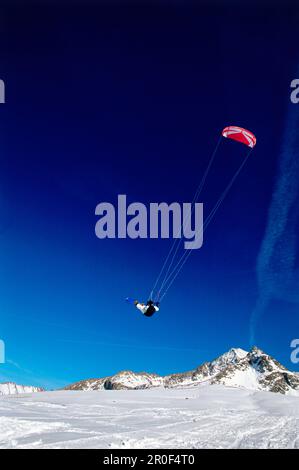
(295, 93)
(160, 220)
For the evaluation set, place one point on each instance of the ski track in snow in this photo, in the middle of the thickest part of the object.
(206, 417)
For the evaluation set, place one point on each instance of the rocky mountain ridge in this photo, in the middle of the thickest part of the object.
(253, 370)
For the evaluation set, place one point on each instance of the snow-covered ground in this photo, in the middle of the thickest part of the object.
(202, 417)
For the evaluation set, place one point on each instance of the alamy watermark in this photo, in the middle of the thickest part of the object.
(160, 220)
(2, 92)
(2, 351)
(295, 353)
(295, 93)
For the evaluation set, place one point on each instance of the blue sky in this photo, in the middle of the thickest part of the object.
(131, 100)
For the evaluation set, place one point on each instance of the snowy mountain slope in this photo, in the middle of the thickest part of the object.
(133, 380)
(198, 417)
(87, 385)
(206, 371)
(259, 371)
(11, 388)
(254, 370)
(122, 380)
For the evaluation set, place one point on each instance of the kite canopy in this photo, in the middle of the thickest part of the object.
(240, 135)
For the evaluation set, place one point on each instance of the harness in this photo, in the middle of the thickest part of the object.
(150, 311)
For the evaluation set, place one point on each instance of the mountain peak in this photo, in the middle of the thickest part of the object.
(257, 351)
(239, 352)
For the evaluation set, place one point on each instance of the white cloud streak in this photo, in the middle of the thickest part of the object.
(277, 273)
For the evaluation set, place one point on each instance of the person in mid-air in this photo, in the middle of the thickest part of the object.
(147, 309)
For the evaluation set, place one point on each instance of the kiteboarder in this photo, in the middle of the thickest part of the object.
(147, 309)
